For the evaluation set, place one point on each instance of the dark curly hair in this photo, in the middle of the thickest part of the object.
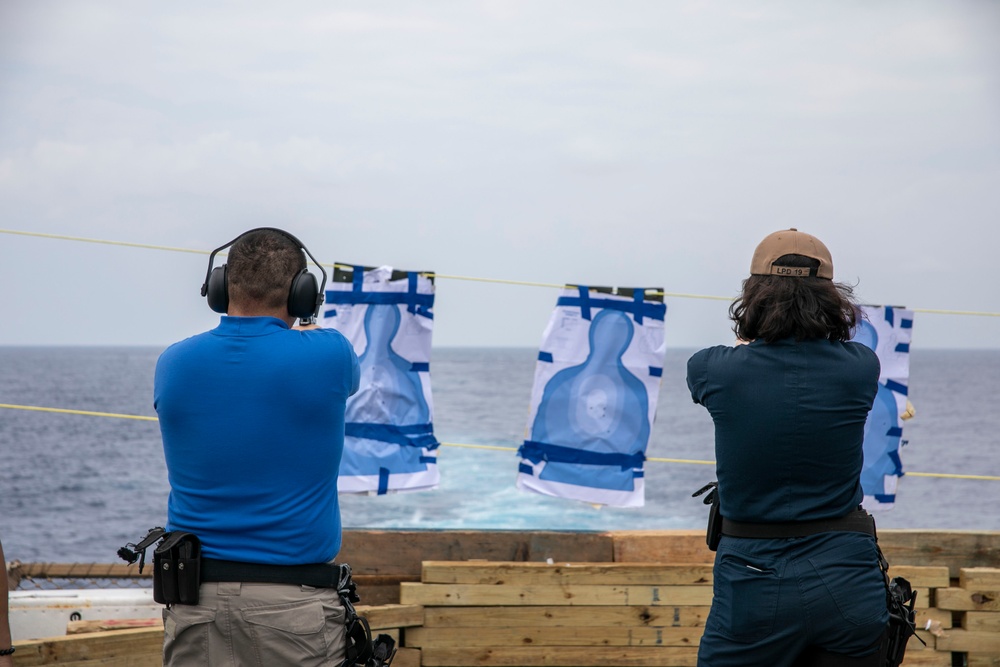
(261, 267)
(775, 307)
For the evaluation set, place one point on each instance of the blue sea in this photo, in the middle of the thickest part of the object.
(74, 488)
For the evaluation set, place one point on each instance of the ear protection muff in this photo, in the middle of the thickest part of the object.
(304, 295)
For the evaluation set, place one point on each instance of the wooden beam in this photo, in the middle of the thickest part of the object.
(666, 546)
(444, 595)
(981, 621)
(961, 599)
(392, 616)
(129, 647)
(964, 641)
(927, 659)
(983, 578)
(982, 660)
(549, 616)
(551, 636)
(111, 624)
(568, 656)
(406, 657)
(493, 573)
(401, 551)
(925, 577)
(953, 549)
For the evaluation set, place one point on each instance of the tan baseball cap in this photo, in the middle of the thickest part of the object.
(791, 242)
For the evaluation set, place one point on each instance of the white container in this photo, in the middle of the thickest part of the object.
(40, 614)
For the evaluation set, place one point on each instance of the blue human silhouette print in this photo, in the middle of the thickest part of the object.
(594, 399)
(596, 407)
(389, 443)
(887, 331)
(394, 394)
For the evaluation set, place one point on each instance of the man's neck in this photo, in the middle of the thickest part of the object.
(237, 310)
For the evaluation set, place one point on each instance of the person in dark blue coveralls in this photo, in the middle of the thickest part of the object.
(797, 577)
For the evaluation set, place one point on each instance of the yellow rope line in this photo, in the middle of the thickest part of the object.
(91, 413)
(62, 237)
(501, 281)
(954, 312)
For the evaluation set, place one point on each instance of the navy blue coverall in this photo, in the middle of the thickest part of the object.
(789, 431)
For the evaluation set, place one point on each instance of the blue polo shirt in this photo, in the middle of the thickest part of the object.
(252, 419)
(789, 425)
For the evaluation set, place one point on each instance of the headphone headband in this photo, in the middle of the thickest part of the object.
(300, 298)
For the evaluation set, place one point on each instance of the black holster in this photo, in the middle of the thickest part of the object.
(714, 531)
(177, 569)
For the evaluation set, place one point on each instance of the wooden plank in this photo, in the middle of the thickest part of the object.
(928, 645)
(654, 574)
(987, 578)
(939, 618)
(981, 621)
(402, 551)
(636, 616)
(569, 656)
(961, 599)
(133, 646)
(661, 546)
(552, 636)
(379, 618)
(953, 549)
(926, 577)
(927, 659)
(149, 660)
(406, 657)
(392, 616)
(982, 660)
(110, 624)
(449, 595)
(79, 570)
(963, 641)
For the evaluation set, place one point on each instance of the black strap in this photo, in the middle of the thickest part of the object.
(318, 575)
(858, 521)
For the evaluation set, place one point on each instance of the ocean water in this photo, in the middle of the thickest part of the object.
(75, 488)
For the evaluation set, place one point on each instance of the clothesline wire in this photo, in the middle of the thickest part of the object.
(676, 295)
(654, 459)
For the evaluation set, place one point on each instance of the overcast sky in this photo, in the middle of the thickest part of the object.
(646, 144)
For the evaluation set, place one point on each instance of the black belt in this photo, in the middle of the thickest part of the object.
(858, 521)
(318, 575)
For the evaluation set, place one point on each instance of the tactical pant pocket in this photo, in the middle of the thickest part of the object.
(851, 575)
(299, 633)
(186, 632)
(746, 596)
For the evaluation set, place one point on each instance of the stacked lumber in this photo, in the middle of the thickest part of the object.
(572, 615)
(581, 614)
(976, 601)
(139, 642)
(383, 559)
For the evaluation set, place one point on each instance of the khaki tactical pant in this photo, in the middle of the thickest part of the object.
(256, 625)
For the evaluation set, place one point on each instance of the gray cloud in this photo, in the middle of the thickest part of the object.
(638, 143)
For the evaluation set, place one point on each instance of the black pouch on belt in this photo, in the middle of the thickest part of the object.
(177, 569)
(714, 532)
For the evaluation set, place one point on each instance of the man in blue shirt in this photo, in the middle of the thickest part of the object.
(252, 419)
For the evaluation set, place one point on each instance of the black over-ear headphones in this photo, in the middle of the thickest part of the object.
(304, 296)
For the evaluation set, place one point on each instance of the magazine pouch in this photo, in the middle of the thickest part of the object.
(177, 569)
(714, 531)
